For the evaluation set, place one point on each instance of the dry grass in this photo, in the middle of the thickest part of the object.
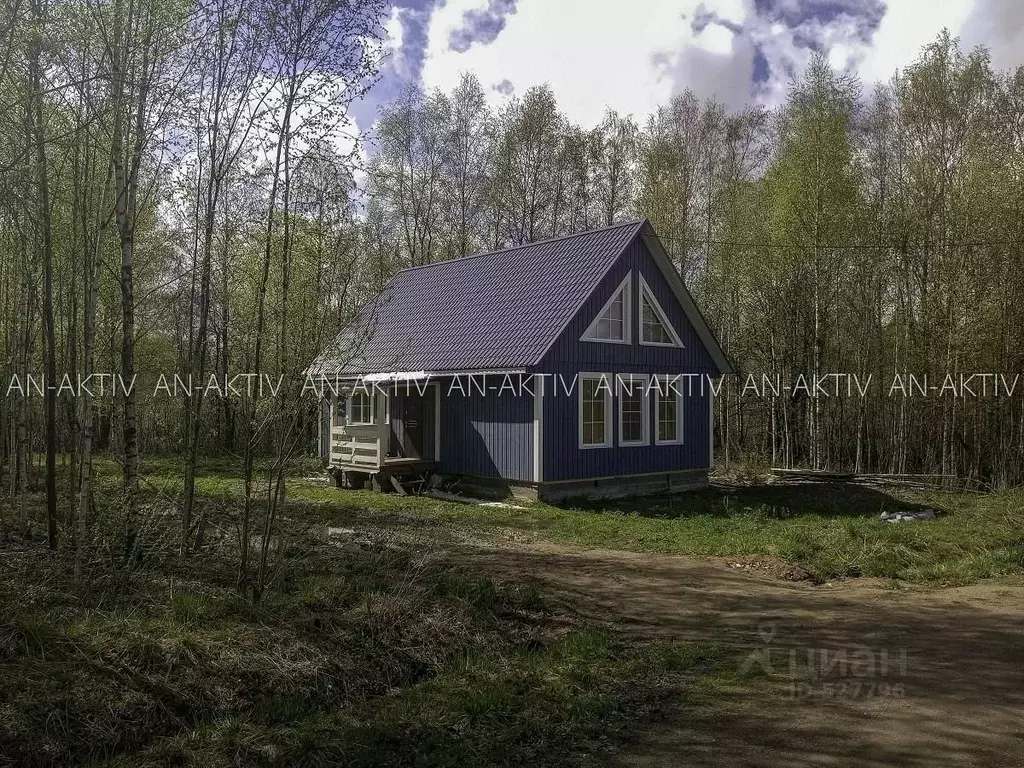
(362, 655)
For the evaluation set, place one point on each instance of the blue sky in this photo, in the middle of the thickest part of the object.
(634, 54)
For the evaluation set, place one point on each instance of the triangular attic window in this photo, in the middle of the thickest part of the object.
(655, 329)
(612, 322)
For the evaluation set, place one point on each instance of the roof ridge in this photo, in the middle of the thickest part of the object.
(502, 251)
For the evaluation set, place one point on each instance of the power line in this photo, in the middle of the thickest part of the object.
(845, 246)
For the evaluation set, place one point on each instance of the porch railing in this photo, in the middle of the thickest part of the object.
(358, 447)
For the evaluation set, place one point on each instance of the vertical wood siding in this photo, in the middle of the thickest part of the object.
(562, 456)
(487, 435)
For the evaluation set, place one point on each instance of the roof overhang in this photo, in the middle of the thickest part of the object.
(387, 376)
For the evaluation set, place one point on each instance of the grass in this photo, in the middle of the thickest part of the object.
(556, 706)
(384, 654)
(830, 530)
(370, 655)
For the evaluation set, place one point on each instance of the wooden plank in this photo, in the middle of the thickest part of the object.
(397, 485)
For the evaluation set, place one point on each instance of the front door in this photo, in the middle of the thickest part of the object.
(413, 421)
(408, 425)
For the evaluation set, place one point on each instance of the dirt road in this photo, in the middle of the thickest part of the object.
(932, 678)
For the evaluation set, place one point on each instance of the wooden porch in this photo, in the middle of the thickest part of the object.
(364, 453)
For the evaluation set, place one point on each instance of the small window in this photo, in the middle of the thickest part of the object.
(360, 408)
(655, 329)
(634, 411)
(595, 411)
(612, 322)
(668, 413)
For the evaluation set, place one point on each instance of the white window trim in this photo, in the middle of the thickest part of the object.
(648, 294)
(711, 429)
(678, 395)
(349, 410)
(607, 377)
(642, 380)
(626, 289)
(437, 420)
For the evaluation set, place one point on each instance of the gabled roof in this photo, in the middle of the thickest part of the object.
(495, 311)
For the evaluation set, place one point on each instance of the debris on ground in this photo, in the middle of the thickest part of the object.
(907, 515)
(447, 496)
(774, 567)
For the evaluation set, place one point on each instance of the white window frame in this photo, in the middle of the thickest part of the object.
(608, 413)
(677, 393)
(625, 381)
(349, 410)
(647, 294)
(626, 289)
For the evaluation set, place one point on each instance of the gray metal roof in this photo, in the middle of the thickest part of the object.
(497, 310)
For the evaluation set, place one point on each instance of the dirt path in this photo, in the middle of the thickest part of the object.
(958, 699)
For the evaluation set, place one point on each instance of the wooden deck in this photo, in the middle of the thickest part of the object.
(401, 475)
(359, 453)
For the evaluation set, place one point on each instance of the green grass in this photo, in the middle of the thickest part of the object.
(379, 661)
(372, 656)
(391, 656)
(830, 530)
(554, 706)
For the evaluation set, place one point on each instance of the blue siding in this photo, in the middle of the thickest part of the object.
(562, 456)
(488, 435)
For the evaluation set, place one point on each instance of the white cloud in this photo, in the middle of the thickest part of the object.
(393, 42)
(632, 55)
(907, 26)
(715, 38)
(999, 25)
(592, 53)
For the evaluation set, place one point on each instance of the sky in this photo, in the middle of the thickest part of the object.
(632, 55)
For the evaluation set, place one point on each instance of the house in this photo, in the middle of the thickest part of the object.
(576, 366)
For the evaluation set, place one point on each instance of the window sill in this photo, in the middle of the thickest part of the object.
(666, 344)
(621, 342)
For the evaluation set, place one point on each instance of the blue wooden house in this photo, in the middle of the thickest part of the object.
(576, 366)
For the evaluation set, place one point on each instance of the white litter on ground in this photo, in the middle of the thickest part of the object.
(908, 515)
(446, 496)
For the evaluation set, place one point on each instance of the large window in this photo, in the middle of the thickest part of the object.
(634, 412)
(360, 408)
(668, 412)
(655, 329)
(595, 398)
(612, 323)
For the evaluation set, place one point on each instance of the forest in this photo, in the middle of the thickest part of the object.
(182, 190)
